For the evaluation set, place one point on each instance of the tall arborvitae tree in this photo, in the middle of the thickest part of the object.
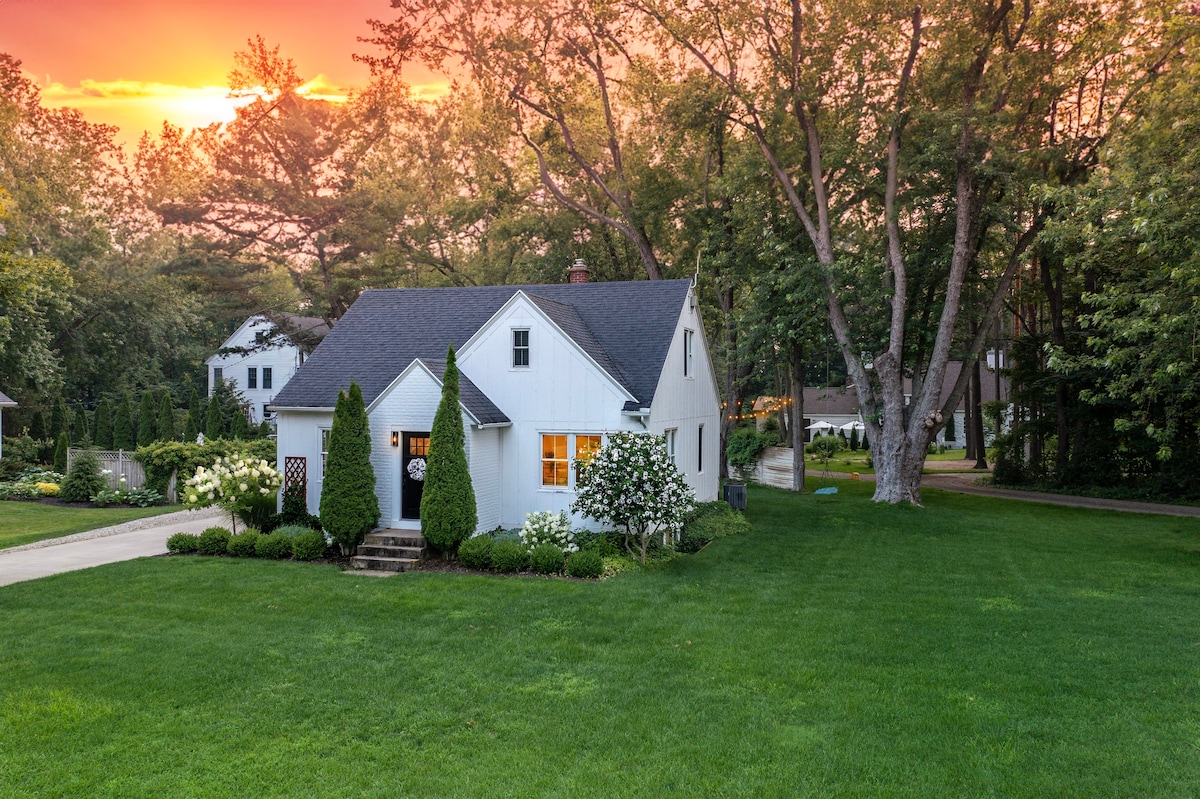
(37, 427)
(59, 421)
(448, 514)
(80, 431)
(239, 428)
(349, 507)
(147, 425)
(60, 453)
(214, 420)
(195, 419)
(166, 419)
(123, 429)
(102, 426)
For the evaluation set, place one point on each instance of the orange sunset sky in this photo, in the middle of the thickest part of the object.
(135, 63)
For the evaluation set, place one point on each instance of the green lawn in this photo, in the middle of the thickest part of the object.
(26, 522)
(847, 461)
(972, 648)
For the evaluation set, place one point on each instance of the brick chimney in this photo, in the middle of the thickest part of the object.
(579, 272)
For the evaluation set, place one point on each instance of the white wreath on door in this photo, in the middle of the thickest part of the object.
(416, 469)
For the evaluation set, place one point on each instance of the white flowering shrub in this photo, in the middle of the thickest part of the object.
(547, 527)
(632, 483)
(231, 483)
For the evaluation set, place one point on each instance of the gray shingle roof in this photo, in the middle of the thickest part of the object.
(626, 327)
(469, 395)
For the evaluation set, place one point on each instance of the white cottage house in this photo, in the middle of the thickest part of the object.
(547, 372)
(262, 355)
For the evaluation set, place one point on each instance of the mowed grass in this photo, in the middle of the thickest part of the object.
(971, 648)
(27, 522)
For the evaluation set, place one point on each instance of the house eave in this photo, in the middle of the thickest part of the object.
(309, 408)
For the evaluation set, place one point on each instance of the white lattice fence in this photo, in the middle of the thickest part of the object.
(115, 464)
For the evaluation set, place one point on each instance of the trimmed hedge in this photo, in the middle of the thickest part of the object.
(476, 553)
(214, 541)
(183, 543)
(585, 563)
(273, 546)
(309, 545)
(242, 545)
(509, 556)
(546, 558)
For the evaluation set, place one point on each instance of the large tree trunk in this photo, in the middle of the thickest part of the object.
(797, 421)
(977, 405)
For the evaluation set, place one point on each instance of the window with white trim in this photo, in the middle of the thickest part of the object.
(520, 348)
(266, 377)
(252, 377)
(324, 448)
(555, 456)
(700, 450)
(688, 343)
(670, 434)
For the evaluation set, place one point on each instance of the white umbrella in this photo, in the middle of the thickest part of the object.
(855, 425)
(821, 425)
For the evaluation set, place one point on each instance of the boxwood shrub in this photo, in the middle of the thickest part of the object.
(509, 556)
(546, 558)
(183, 543)
(213, 541)
(274, 546)
(586, 563)
(242, 544)
(476, 553)
(309, 545)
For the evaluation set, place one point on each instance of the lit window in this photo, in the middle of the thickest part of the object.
(324, 448)
(585, 448)
(252, 377)
(688, 338)
(520, 348)
(555, 467)
(266, 377)
(671, 445)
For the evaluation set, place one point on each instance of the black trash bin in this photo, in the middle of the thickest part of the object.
(735, 495)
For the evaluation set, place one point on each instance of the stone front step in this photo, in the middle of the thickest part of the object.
(383, 564)
(390, 551)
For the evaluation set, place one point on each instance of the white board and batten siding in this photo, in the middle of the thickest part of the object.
(561, 392)
(299, 436)
(688, 402)
(283, 361)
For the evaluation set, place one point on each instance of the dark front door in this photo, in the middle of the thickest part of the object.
(412, 473)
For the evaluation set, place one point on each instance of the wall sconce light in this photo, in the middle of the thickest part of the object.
(395, 439)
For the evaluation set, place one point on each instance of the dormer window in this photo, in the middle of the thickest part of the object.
(520, 349)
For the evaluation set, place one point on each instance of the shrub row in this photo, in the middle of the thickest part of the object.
(707, 522)
(506, 556)
(301, 543)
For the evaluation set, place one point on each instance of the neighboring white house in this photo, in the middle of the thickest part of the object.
(5, 402)
(547, 372)
(261, 357)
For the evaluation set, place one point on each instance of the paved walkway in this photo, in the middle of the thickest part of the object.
(138, 539)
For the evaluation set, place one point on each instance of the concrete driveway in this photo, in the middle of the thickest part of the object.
(137, 539)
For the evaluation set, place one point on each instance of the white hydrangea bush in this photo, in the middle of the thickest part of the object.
(230, 483)
(545, 526)
(633, 484)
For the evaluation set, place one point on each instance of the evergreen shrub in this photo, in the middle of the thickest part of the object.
(243, 544)
(183, 543)
(476, 552)
(83, 480)
(448, 513)
(213, 541)
(273, 546)
(349, 507)
(509, 556)
(586, 563)
(309, 545)
(546, 558)
(60, 452)
(292, 530)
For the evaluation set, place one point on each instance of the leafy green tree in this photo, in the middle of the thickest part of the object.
(195, 418)
(349, 508)
(124, 433)
(37, 426)
(448, 513)
(166, 419)
(102, 426)
(147, 425)
(60, 453)
(79, 431)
